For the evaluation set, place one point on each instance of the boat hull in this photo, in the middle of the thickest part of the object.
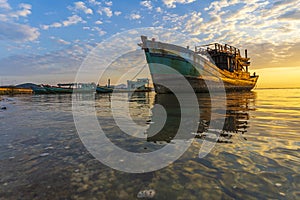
(198, 84)
(104, 89)
(58, 90)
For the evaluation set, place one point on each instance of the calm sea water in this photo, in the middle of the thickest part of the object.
(256, 157)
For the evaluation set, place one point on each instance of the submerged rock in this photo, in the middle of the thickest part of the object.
(282, 193)
(83, 188)
(278, 184)
(123, 195)
(44, 154)
(50, 147)
(146, 194)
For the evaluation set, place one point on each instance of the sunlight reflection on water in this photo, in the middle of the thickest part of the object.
(256, 158)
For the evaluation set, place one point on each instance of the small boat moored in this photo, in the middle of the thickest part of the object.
(65, 88)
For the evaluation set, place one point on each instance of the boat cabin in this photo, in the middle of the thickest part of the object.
(226, 57)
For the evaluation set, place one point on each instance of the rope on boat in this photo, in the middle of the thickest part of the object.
(139, 72)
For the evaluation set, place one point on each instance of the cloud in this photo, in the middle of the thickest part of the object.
(72, 20)
(147, 4)
(243, 24)
(195, 20)
(9, 15)
(172, 3)
(99, 30)
(291, 15)
(134, 16)
(117, 13)
(17, 32)
(176, 21)
(26, 10)
(158, 9)
(65, 61)
(75, 19)
(10, 29)
(109, 3)
(104, 8)
(98, 22)
(79, 5)
(60, 41)
(265, 55)
(216, 6)
(94, 2)
(4, 18)
(107, 11)
(54, 25)
(253, 20)
(4, 5)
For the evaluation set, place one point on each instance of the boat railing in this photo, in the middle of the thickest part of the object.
(225, 56)
(216, 48)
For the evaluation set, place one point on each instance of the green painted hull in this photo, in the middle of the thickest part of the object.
(104, 89)
(60, 90)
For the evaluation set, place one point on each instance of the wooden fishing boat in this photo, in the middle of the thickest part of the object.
(205, 65)
(65, 88)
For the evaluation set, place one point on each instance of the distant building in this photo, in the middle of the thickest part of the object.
(140, 83)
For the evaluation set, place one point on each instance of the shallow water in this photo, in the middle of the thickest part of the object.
(256, 157)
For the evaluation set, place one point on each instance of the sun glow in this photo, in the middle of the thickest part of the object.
(284, 77)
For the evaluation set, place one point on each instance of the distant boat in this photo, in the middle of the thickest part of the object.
(104, 89)
(140, 85)
(40, 90)
(65, 88)
(229, 66)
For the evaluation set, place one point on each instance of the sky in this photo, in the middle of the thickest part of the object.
(47, 41)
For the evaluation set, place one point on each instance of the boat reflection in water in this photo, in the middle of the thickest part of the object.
(236, 120)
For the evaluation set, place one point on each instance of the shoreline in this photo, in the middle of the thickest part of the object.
(13, 90)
